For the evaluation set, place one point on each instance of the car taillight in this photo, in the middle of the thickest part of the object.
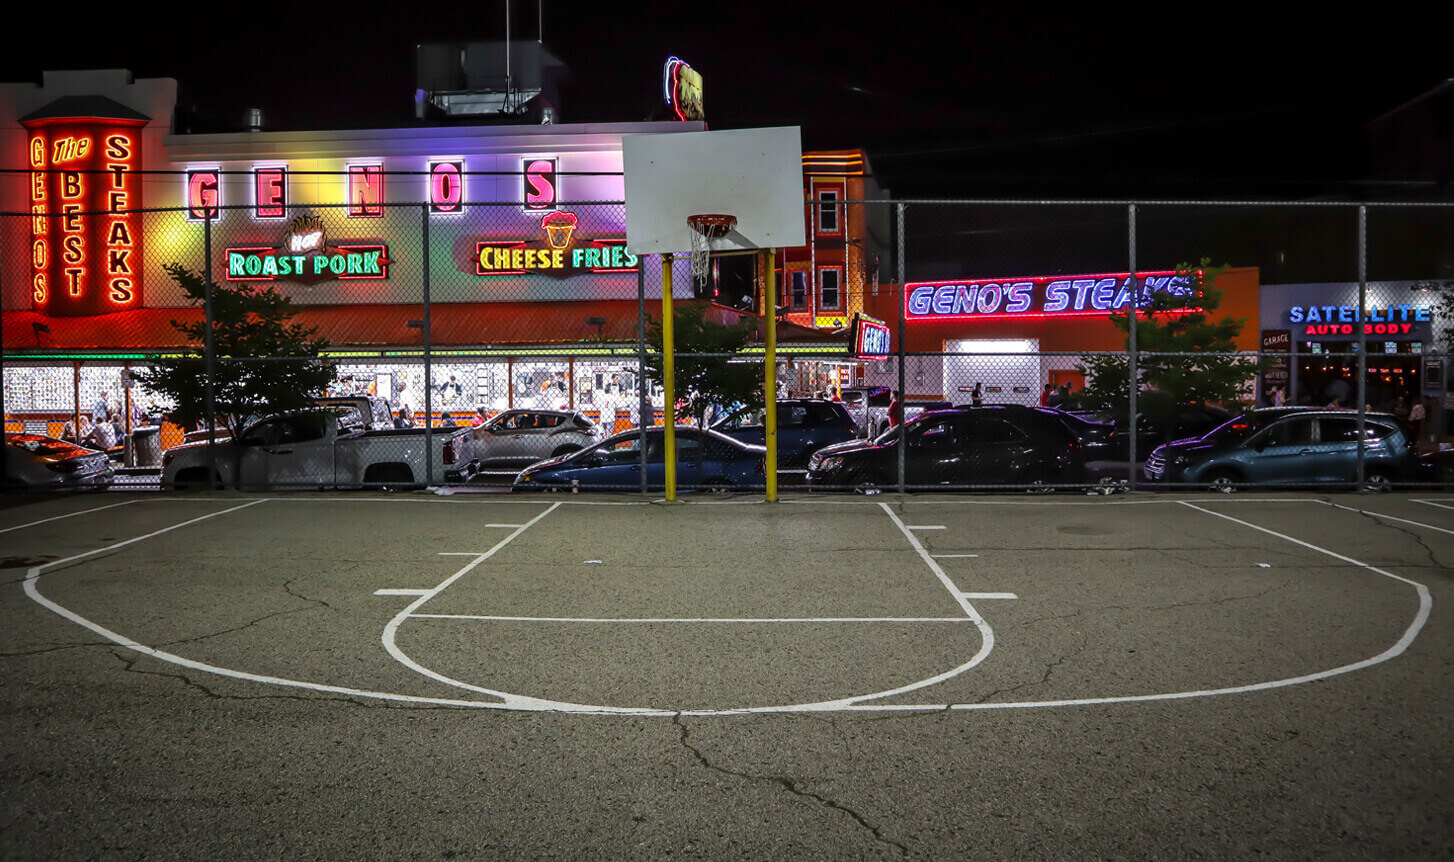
(449, 450)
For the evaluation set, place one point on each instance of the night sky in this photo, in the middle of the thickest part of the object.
(999, 101)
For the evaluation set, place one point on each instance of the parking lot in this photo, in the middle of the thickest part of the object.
(416, 676)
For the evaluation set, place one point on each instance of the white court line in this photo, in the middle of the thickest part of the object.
(489, 618)
(505, 526)
(849, 705)
(927, 527)
(71, 515)
(989, 595)
(1432, 503)
(400, 591)
(953, 556)
(1391, 518)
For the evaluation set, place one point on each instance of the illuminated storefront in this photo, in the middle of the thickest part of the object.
(531, 288)
(1015, 334)
(1315, 330)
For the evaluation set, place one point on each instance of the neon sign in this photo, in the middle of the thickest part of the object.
(87, 260)
(559, 255)
(1343, 319)
(303, 255)
(270, 192)
(446, 187)
(538, 189)
(1044, 296)
(204, 193)
(870, 337)
(682, 90)
(365, 191)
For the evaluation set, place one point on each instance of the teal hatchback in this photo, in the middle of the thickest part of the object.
(1289, 446)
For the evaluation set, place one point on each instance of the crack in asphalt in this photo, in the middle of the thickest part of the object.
(1049, 669)
(197, 638)
(54, 648)
(130, 659)
(790, 786)
(1407, 531)
(287, 587)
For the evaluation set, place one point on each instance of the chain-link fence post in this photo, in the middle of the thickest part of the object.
(211, 354)
(1361, 317)
(902, 396)
(1132, 366)
(428, 371)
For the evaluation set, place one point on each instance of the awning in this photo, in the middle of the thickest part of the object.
(566, 326)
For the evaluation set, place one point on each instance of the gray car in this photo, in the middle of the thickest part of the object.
(527, 436)
(38, 463)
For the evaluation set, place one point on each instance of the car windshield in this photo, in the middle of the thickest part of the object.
(1238, 429)
(889, 436)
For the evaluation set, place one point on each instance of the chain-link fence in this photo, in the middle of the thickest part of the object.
(383, 344)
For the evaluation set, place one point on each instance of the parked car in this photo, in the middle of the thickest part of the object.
(804, 425)
(1289, 446)
(35, 462)
(523, 437)
(1100, 438)
(1156, 427)
(615, 463)
(962, 446)
(320, 448)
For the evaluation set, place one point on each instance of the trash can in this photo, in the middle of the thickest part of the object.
(146, 442)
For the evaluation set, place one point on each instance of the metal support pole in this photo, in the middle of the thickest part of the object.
(901, 469)
(428, 368)
(1132, 363)
(210, 349)
(1362, 318)
(668, 379)
(769, 361)
(643, 400)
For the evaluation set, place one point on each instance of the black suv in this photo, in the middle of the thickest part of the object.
(803, 426)
(996, 445)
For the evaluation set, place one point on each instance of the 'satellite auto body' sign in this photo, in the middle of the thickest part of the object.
(305, 256)
(1043, 296)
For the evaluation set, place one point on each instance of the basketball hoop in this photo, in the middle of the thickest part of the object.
(705, 228)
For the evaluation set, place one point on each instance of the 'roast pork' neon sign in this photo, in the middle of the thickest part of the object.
(304, 256)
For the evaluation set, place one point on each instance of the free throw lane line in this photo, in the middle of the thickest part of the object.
(1392, 518)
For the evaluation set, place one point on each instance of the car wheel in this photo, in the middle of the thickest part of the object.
(565, 450)
(1222, 481)
(1040, 483)
(1377, 482)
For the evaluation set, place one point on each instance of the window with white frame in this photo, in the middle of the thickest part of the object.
(828, 212)
(830, 280)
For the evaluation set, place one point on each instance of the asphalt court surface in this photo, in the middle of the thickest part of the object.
(337, 676)
(701, 608)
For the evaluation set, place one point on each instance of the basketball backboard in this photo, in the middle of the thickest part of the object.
(753, 174)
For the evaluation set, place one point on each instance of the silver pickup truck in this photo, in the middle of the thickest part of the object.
(332, 446)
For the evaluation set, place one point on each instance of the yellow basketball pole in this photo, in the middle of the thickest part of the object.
(769, 361)
(668, 375)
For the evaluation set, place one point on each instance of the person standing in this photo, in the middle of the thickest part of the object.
(896, 411)
(1045, 395)
(101, 408)
(1417, 413)
(977, 396)
(1057, 397)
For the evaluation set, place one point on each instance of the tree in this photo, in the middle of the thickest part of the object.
(703, 349)
(265, 363)
(1169, 323)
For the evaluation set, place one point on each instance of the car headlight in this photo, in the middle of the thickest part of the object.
(832, 462)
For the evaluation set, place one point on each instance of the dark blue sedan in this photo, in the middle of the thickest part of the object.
(705, 459)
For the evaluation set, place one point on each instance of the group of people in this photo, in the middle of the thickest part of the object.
(104, 429)
(1055, 396)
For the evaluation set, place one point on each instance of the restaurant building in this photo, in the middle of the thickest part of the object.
(514, 234)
